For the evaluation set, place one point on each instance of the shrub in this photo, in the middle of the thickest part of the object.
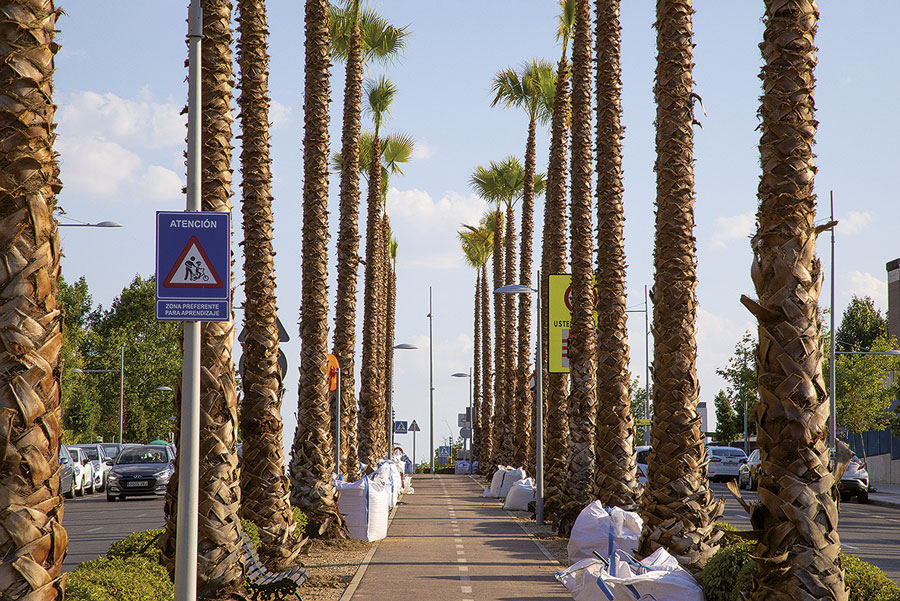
(301, 520)
(866, 582)
(119, 579)
(143, 544)
(251, 531)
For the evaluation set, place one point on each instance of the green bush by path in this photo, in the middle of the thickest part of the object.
(301, 520)
(143, 544)
(119, 579)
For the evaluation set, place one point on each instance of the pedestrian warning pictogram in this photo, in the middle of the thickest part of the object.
(400, 427)
(193, 269)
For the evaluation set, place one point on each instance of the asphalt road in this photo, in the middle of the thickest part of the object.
(868, 531)
(93, 523)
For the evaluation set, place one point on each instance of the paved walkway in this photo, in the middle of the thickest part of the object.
(446, 542)
(886, 495)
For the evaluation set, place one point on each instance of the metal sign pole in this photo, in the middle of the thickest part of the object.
(431, 380)
(337, 427)
(189, 443)
(539, 418)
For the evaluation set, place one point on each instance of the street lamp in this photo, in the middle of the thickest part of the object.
(121, 372)
(403, 347)
(84, 224)
(538, 397)
(431, 379)
(471, 414)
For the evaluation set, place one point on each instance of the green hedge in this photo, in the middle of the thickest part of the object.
(119, 579)
(144, 544)
(301, 520)
(731, 569)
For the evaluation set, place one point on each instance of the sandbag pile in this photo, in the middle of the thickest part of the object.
(520, 495)
(365, 505)
(503, 480)
(605, 531)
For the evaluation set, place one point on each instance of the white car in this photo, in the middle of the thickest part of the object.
(641, 460)
(84, 471)
(725, 462)
(855, 481)
(99, 460)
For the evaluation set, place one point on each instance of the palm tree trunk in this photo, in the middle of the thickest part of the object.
(797, 554)
(264, 487)
(509, 341)
(311, 457)
(499, 345)
(582, 351)
(344, 340)
(475, 441)
(486, 451)
(616, 472)
(390, 281)
(678, 507)
(524, 444)
(371, 412)
(33, 541)
(554, 260)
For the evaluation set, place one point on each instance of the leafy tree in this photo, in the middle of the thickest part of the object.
(861, 325)
(79, 413)
(729, 425)
(741, 377)
(638, 398)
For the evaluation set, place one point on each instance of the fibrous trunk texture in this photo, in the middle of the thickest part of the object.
(554, 260)
(486, 418)
(311, 457)
(344, 340)
(32, 539)
(616, 473)
(678, 507)
(797, 554)
(524, 445)
(499, 344)
(476, 372)
(582, 350)
(371, 409)
(508, 435)
(264, 486)
(391, 305)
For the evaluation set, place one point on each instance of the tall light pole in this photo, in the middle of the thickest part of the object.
(121, 372)
(538, 397)
(646, 312)
(832, 430)
(471, 413)
(403, 347)
(431, 379)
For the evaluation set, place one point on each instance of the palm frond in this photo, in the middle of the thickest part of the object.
(397, 149)
(508, 88)
(380, 39)
(566, 23)
(379, 94)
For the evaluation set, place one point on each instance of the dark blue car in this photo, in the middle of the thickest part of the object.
(140, 471)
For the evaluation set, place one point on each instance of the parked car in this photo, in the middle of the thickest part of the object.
(84, 471)
(111, 449)
(66, 473)
(100, 462)
(748, 475)
(724, 462)
(855, 481)
(641, 454)
(140, 470)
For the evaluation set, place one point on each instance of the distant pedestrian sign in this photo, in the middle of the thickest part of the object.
(443, 451)
(400, 427)
(414, 427)
(193, 266)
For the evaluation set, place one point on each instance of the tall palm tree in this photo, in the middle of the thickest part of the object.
(219, 571)
(391, 312)
(582, 350)
(33, 543)
(264, 487)
(484, 421)
(797, 554)
(616, 473)
(311, 462)
(678, 507)
(554, 259)
(532, 89)
(357, 36)
(380, 94)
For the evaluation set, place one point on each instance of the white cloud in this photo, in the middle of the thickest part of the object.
(280, 115)
(854, 223)
(866, 284)
(733, 228)
(426, 228)
(422, 150)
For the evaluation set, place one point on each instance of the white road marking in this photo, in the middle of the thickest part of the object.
(140, 515)
(458, 552)
(845, 545)
(463, 568)
(459, 546)
(457, 540)
(95, 529)
(466, 589)
(461, 560)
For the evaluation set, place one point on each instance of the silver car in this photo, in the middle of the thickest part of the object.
(855, 481)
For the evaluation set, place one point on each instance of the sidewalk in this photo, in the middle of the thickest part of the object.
(887, 495)
(448, 543)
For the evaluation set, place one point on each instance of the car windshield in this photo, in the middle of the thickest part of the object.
(726, 452)
(130, 456)
(91, 452)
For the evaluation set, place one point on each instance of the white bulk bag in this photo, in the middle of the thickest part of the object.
(509, 478)
(364, 505)
(520, 495)
(497, 481)
(389, 476)
(462, 467)
(625, 579)
(604, 531)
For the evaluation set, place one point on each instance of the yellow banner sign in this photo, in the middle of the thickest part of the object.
(560, 317)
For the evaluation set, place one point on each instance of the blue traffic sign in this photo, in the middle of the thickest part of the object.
(400, 427)
(193, 266)
(443, 451)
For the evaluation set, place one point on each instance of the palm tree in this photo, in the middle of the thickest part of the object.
(797, 554)
(582, 351)
(311, 462)
(356, 36)
(616, 473)
(219, 570)
(34, 541)
(264, 487)
(554, 259)
(678, 507)
(379, 93)
(532, 89)
(391, 312)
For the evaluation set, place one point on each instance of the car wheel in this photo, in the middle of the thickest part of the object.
(80, 490)
(111, 498)
(90, 491)
(741, 482)
(754, 484)
(102, 486)
(863, 497)
(71, 492)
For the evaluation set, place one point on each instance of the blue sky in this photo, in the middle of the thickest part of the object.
(120, 87)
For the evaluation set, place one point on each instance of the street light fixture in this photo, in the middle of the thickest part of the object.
(121, 372)
(461, 374)
(403, 347)
(99, 224)
(538, 396)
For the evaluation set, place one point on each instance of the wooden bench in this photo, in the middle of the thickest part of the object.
(266, 585)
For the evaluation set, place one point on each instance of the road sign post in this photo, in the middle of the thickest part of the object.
(400, 427)
(414, 427)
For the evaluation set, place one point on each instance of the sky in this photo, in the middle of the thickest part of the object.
(120, 88)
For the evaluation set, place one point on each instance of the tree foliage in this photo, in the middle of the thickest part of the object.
(861, 325)
(740, 374)
(729, 425)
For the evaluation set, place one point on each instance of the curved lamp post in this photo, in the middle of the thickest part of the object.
(99, 224)
(461, 374)
(538, 396)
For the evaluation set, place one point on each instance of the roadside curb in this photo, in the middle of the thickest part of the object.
(884, 503)
(361, 570)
